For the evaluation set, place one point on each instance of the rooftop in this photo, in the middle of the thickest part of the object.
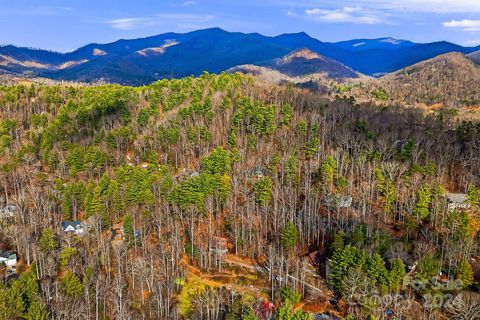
(8, 254)
(75, 224)
(457, 197)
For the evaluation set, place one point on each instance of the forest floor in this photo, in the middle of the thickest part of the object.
(247, 276)
(246, 282)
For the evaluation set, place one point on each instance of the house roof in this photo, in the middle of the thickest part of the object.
(8, 254)
(457, 197)
(75, 224)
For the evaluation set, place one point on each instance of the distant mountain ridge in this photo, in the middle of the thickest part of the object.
(475, 57)
(138, 61)
(369, 44)
(301, 63)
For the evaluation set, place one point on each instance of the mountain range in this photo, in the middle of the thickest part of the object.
(139, 61)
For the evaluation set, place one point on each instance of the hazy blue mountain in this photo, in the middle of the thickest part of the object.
(382, 61)
(369, 44)
(475, 57)
(138, 61)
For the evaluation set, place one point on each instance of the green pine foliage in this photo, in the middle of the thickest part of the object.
(473, 196)
(291, 169)
(343, 260)
(263, 189)
(380, 94)
(302, 127)
(218, 162)
(424, 198)
(397, 274)
(428, 267)
(287, 312)
(387, 190)
(128, 229)
(71, 284)
(311, 147)
(193, 192)
(338, 242)
(289, 236)
(19, 299)
(377, 271)
(48, 240)
(328, 170)
(464, 273)
(406, 151)
(291, 295)
(286, 114)
(75, 152)
(66, 256)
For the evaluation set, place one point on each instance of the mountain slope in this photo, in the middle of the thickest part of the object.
(138, 61)
(304, 62)
(378, 62)
(450, 79)
(475, 57)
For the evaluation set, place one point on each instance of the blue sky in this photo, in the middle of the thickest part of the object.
(64, 25)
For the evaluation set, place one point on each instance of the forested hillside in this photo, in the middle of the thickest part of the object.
(450, 80)
(220, 198)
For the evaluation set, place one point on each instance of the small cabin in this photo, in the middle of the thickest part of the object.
(9, 258)
(457, 201)
(73, 226)
(259, 172)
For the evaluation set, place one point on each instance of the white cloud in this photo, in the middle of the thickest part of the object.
(426, 6)
(421, 6)
(189, 3)
(356, 15)
(41, 11)
(179, 19)
(465, 25)
(472, 43)
(128, 23)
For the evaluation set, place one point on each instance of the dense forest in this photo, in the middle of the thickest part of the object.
(221, 198)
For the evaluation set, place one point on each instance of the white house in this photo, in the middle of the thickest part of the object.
(73, 226)
(9, 258)
(457, 201)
